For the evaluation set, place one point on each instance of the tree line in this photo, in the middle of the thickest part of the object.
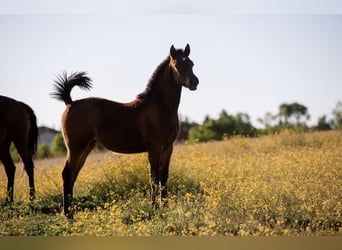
(289, 116)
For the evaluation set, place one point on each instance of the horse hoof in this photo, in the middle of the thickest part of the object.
(70, 218)
(8, 201)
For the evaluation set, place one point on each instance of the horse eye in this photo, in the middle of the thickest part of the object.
(184, 59)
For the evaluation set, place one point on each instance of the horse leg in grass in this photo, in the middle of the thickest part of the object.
(67, 190)
(8, 163)
(73, 165)
(29, 167)
(159, 160)
(154, 159)
(26, 157)
(164, 173)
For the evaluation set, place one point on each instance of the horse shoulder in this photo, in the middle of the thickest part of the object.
(157, 125)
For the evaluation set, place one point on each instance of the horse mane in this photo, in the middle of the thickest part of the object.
(157, 74)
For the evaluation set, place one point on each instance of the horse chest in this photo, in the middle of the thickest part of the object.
(159, 127)
(167, 131)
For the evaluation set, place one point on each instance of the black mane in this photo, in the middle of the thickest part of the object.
(157, 74)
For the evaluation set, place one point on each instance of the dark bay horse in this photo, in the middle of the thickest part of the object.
(147, 124)
(18, 125)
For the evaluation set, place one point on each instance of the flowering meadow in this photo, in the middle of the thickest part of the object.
(284, 184)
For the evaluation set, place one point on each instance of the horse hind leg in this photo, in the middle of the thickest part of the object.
(8, 163)
(29, 167)
(74, 163)
(67, 190)
(26, 157)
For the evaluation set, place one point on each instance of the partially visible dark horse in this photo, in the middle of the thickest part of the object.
(147, 124)
(18, 125)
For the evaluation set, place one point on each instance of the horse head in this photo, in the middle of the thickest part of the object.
(182, 67)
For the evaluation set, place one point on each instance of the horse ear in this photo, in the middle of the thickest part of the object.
(187, 50)
(173, 51)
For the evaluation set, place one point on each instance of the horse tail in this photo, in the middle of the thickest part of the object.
(33, 132)
(64, 84)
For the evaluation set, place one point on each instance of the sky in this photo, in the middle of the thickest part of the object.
(248, 58)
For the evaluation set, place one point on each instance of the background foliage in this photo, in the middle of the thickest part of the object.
(290, 116)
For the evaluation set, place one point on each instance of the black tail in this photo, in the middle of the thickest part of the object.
(64, 84)
(33, 133)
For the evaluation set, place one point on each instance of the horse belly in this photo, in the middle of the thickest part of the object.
(123, 142)
(3, 133)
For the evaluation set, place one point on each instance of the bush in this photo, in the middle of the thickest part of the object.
(43, 151)
(226, 125)
(57, 146)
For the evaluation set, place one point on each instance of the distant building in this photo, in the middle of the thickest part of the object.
(46, 135)
(183, 135)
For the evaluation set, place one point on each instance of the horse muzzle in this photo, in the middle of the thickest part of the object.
(193, 82)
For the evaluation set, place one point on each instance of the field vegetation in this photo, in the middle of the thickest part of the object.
(284, 184)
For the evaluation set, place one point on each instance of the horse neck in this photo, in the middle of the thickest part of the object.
(168, 92)
(163, 89)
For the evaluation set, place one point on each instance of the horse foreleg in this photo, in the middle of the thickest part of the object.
(8, 163)
(154, 182)
(164, 173)
(154, 159)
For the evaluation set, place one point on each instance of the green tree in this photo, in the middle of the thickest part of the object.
(204, 132)
(57, 147)
(296, 110)
(299, 111)
(185, 124)
(243, 125)
(323, 124)
(225, 125)
(284, 111)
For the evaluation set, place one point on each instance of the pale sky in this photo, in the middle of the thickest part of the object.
(248, 58)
